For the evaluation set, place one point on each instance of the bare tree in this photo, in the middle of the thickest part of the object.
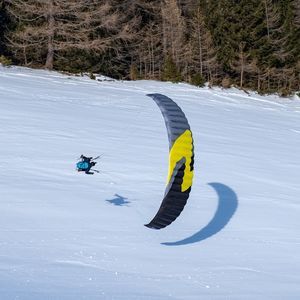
(146, 50)
(243, 62)
(54, 26)
(297, 13)
(203, 56)
(271, 15)
(173, 28)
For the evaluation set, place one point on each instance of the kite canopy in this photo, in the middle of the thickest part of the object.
(181, 162)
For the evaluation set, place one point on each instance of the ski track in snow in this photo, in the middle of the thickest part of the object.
(66, 235)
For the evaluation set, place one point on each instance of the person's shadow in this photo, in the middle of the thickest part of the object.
(228, 203)
(118, 200)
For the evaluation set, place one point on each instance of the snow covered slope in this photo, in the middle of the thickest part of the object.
(67, 235)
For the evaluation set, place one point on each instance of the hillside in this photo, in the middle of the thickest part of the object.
(66, 235)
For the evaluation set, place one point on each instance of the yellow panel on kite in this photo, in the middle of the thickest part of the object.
(182, 147)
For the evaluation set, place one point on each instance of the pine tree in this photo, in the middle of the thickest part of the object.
(284, 75)
(4, 20)
(170, 70)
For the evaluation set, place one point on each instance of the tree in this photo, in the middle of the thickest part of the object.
(4, 20)
(54, 27)
(145, 50)
(173, 31)
(170, 71)
(203, 55)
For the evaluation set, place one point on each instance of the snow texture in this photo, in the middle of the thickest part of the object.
(67, 235)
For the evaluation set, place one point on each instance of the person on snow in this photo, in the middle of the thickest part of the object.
(85, 164)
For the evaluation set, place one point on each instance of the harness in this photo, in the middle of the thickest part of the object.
(83, 165)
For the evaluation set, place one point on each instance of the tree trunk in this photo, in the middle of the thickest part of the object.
(267, 18)
(242, 61)
(50, 47)
(200, 50)
(25, 56)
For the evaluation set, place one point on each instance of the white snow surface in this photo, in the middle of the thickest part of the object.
(68, 235)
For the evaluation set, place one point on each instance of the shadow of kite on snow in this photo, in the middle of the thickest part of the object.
(118, 200)
(228, 203)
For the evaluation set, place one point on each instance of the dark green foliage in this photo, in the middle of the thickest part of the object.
(5, 61)
(4, 22)
(197, 80)
(170, 71)
(74, 61)
(92, 76)
(256, 42)
(252, 44)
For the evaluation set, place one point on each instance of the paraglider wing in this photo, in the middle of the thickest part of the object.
(181, 162)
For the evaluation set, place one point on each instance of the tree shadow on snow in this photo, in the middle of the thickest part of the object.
(118, 200)
(228, 203)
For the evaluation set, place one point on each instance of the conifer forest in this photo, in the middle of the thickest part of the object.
(250, 44)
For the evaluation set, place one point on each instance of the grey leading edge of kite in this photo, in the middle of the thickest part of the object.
(181, 162)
